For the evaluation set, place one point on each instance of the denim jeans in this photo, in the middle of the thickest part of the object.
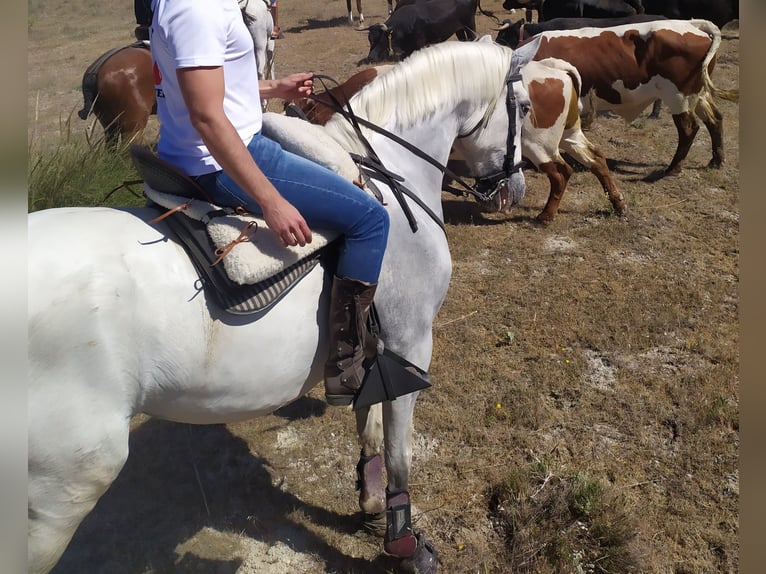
(323, 198)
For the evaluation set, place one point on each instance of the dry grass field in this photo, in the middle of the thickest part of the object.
(584, 416)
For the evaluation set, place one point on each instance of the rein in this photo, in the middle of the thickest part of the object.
(373, 161)
(491, 183)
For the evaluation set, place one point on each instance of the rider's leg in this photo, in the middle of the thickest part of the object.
(327, 201)
(276, 33)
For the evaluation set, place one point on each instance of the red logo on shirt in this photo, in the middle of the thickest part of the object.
(157, 75)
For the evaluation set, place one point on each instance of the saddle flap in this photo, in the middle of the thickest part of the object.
(163, 176)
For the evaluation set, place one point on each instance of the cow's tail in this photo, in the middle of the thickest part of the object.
(715, 36)
(487, 12)
(565, 66)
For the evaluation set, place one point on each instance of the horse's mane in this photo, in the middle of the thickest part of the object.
(436, 77)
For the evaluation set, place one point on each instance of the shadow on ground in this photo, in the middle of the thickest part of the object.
(180, 479)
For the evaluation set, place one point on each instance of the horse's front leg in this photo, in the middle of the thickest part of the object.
(369, 470)
(401, 540)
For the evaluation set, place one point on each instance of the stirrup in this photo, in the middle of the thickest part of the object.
(390, 376)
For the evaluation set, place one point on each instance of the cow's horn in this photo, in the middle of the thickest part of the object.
(505, 26)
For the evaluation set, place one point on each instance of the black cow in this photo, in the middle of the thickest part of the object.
(549, 9)
(719, 12)
(418, 23)
(511, 34)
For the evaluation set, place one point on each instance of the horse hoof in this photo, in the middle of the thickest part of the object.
(375, 524)
(425, 560)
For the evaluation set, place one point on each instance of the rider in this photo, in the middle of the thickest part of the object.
(143, 12)
(208, 103)
(276, 32)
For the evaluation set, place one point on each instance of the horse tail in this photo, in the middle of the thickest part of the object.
(89, 93)
(90, 80)
(246, 17)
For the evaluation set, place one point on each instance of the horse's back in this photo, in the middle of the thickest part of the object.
(63, 242)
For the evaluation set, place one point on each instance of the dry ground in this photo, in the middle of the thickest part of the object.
(597, 347)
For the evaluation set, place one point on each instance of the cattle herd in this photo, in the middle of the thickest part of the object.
(626, 54)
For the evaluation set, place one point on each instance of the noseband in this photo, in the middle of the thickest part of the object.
(488, 186)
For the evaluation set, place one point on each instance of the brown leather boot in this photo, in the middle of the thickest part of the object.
(350, 302)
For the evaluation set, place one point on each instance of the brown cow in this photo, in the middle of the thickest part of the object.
(320, 106)
(626, 68)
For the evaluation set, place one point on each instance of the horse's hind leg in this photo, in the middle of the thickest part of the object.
(575, 143)
(370, 479)
(74, 456)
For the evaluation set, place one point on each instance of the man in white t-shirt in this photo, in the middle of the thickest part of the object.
(208, 104)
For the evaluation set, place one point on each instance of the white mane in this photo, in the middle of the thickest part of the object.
(436, 77)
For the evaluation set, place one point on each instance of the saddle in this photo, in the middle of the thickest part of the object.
(219, 239)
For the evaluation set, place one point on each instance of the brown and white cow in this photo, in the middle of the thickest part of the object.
(551, 125)
(626, 68)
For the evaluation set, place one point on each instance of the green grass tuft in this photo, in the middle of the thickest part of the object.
(78, 171)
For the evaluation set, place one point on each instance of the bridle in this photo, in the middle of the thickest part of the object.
(486, 186)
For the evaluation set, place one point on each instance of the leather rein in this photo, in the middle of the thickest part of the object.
(486, 187)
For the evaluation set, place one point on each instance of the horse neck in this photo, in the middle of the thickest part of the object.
(425, 108)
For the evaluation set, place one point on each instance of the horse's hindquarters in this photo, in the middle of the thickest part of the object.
(119, 308)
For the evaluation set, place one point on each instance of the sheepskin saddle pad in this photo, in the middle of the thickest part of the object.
(257, 269)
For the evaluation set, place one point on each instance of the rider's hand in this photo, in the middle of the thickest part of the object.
(287, 223)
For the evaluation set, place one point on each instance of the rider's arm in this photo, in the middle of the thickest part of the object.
(203, 93)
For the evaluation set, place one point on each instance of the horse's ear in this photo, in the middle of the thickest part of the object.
(524, 54)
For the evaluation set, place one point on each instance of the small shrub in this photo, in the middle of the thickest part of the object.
(563, 524)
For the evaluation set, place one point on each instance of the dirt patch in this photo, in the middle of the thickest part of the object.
(596, 346)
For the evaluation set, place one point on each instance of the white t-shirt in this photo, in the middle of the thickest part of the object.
(193, 33)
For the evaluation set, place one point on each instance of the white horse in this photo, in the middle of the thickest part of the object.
(118, 324)
(260, 29)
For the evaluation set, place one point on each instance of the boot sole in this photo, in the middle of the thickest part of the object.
(339, 400)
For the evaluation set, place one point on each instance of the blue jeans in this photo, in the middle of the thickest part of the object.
(323, 198)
